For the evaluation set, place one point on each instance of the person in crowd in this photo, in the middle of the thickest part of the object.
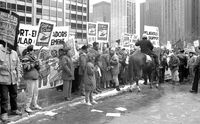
(106, 73)
(95, 51)
(124, 67)
(75, 82)
(190, 64)
(174, 65)
(60, 55)
(82, 63)
(114, 63)
(183, 63)
(9, 77)
(147, 48)
(164, 65)
(67, 73)
(31, 68)
(89, 79)
(196, 69)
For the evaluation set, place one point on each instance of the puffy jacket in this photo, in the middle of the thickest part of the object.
(82, 63)
(67, 68)
(145, 45)
(9, 67)
(114, 62)
(31, 67)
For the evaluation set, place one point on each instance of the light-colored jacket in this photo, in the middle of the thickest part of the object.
(9, 67)
(191, 61)
(114, 62)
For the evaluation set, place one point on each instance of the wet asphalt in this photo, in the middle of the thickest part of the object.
(169, 104)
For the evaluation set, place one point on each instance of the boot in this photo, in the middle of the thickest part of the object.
(117, 88)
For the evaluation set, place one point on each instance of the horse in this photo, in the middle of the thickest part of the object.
(140, 65)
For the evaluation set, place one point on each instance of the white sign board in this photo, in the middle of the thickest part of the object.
(152, 34)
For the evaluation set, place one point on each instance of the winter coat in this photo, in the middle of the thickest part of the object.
(145, 45)
(96, 54)
(67, 68)
(191, 61)
(174, 63)
(196, 66)
(183, 59)
(114, 62)
(89, 77)
(82, 63)
(9, 67)
(31, 67)
(106, 73)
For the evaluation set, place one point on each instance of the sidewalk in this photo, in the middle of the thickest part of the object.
(76, 101)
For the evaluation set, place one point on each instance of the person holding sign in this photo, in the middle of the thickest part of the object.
(31, 69)
(9, 77)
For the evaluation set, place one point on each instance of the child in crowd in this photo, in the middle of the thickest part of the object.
(89, 80)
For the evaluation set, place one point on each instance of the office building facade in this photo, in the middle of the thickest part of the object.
(74, 13)
(123, 18)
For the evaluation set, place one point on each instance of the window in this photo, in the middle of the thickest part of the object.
(85, 1)
(60, 14)
(84, 18)
(74, 0)
(39, 2)
(53, 3)
(39, 11)
(45, 12)
(67, 24)
(67, 6)
(79, 17)
(2, 5)
(22, 19)
(79, 8)
(84, 35)
(67, 16)
(29, 1)
(59, 23)
(79, 26)
(37, 20)
(73, 26)
(73, 7)
(46, 2)
(73, 16)
(80, 1)
(13, 7)
(20, 8)
(84, 27)
(79, 35)
(53, 13)
(84, 9)
(22, 0)
(28, 9)
(28, 20)
(60, 5)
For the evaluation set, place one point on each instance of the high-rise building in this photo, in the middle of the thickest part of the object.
(123, 18)
(63, 12)
(101, 12)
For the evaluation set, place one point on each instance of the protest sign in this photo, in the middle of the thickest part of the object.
(126, 40)
(196, 43)
(27, 35)
(44, 33)
(9, 25)
(60, 36)
(152, 34)
(133, 40)
(91, 32)
(102, 32)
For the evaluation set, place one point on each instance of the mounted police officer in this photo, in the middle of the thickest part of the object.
(147, 48)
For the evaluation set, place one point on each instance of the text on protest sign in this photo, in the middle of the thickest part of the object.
(27, 34)
(152, 34)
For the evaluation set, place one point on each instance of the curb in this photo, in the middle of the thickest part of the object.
(73, 103)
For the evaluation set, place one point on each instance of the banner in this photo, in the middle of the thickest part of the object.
(60, 35)
(102, 32)
(44, 33)
(152, 34)
(126, 40)
(27, 35)
(91, 32)
(133, 40)
(9, 25)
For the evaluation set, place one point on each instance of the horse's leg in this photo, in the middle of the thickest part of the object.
(158, 77)
(137, 84)
(145, 77)
(150, 78)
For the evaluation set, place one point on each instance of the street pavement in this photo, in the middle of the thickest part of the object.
(169, 104)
